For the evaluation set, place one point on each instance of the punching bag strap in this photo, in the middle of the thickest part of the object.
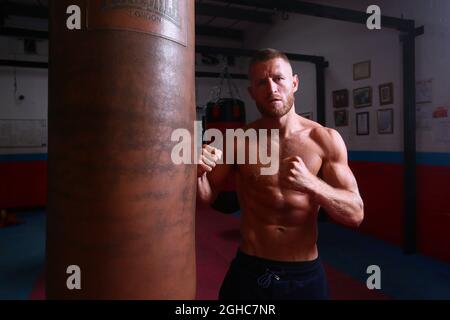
(232, 85)
(216, 92)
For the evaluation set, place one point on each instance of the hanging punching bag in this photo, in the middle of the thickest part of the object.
(223, 114)
(120, 212)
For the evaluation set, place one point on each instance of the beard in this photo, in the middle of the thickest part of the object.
(277, 112)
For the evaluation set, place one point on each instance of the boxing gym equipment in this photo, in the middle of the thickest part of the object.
(118, 207)
(222, 114)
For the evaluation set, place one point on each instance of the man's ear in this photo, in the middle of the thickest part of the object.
(295, 81)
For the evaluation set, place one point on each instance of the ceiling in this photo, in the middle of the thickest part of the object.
(229, 18)
(221, 19)
(214, 18)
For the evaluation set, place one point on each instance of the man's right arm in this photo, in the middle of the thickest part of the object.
(210, 174)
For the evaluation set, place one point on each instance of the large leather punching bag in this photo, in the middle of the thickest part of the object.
(120, 212)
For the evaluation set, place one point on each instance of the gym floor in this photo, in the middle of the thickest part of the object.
(346, 254)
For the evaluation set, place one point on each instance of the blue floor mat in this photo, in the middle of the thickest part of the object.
(402, 276)
(22, 255)
(22, 252)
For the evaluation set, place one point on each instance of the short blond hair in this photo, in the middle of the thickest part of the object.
(266, 55)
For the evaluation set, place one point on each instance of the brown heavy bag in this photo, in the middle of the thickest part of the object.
(119, 209)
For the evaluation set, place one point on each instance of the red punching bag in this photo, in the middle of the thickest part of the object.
(120, 212)
(223, 114)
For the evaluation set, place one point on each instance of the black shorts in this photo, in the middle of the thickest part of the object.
(253, 278)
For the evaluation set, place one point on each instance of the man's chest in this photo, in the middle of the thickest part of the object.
(261, 155)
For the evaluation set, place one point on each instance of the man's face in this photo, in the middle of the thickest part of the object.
(272, 86)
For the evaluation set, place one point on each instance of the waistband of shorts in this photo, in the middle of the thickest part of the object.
(257, 262)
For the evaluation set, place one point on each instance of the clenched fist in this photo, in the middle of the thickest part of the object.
(208, 159)
(295, 175)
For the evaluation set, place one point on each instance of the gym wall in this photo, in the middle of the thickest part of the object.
(23, 126)
(207, 88)
(377, 159)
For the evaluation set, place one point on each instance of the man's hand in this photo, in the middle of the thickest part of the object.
(296, 176)
(208, 159)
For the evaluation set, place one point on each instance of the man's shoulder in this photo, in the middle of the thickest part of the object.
(309, 124)
(317, 132)
(329, 140)
(323, 134)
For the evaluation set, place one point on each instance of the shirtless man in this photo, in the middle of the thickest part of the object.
(278, 256)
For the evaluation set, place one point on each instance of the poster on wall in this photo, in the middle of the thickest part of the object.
(362, 123)
(441, 125)
(441, 131)
(386, 121)
(23, 133)
(440, 112)
(340, 98)
(361, 70)
(386, 93)
(341, 118)
(362, 97)
(423, 118)
(424, 91)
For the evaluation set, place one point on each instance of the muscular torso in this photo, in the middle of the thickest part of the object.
(278, 223)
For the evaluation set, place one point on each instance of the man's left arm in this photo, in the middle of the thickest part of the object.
(338, 192)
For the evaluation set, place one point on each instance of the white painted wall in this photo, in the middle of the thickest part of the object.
(32, 83)
(341, 43)
(344, 44)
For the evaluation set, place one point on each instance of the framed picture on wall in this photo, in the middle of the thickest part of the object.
(362, 97)
(340, 98)
(361, 70)
(386, 121)
(307, 115)
(386, 92)
(362, 123)
(341, 118)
